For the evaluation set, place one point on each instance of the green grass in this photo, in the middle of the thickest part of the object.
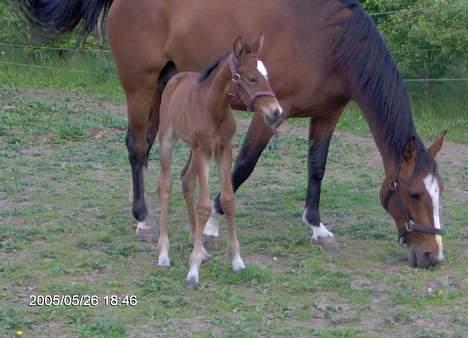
(64, 229)
(64, 216)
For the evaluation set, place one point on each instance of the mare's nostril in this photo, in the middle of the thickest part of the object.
(277, 113)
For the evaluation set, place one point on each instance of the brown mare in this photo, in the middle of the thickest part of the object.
(321, 54)
(197, 109)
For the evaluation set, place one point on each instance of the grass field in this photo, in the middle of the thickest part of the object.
(64, 229)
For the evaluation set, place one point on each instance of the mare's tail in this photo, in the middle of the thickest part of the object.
(64, 15)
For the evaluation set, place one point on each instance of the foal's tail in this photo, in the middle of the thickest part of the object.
(168, 71)
(63, 16)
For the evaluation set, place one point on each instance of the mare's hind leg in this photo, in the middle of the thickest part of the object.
(258, 136)
(167, 141)
(320, 133)
(139, 105)
(227, 200)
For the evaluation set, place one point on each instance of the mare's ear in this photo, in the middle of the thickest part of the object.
(238, 46)
(409, 153)
(258, 44)
(435, 147)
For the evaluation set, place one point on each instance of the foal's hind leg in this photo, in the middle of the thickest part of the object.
(228, 204)
(189, 183)
(167, 142)
(201, 168)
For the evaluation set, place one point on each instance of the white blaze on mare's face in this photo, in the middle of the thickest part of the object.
(432, 187)
(262, 69)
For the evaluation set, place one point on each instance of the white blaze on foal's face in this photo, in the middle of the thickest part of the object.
(262, 69)
(432, 186)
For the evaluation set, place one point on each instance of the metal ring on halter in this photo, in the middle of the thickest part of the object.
(236, 78)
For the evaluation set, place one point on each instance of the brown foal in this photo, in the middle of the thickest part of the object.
(197, 109)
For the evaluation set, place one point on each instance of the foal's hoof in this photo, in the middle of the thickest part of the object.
(192, 284)
(210, 242)
(328, 244)
(146, 231)
(163, 262)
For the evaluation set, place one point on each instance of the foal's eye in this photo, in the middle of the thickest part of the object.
(414, 195)
(251, 79)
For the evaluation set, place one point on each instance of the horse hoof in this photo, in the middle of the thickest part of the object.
(163, 263)
(146, 231)
(191, 284)
(238, 266)
(210, 242)
(328, 244)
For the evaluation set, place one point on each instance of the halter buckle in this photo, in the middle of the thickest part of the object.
(236, 78)
(409, 226)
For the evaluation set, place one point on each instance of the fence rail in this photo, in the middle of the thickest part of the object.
(71, 70)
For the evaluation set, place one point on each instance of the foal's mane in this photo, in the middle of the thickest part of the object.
(377, 85)
(205, 74)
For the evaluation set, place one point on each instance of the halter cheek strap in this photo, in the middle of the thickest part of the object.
(239, 84)
(409, 225)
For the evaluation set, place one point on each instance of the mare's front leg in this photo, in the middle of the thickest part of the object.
(201, 168)
(320, 133)
(258, 136)
(228, 202)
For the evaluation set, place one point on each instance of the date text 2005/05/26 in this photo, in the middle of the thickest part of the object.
(82, 300)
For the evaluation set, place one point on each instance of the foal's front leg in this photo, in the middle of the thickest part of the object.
(198, 254)
(227, 200)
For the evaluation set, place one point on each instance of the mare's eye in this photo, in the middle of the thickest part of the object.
(414, 195)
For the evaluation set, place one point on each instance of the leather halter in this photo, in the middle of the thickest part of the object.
(409, 225)
(239, 83)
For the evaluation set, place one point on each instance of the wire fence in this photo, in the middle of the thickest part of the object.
(107, 51)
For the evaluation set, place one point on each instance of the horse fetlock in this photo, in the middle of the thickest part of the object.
(139, 210)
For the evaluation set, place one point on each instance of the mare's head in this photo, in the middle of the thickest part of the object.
(250, 83)
(411, 195)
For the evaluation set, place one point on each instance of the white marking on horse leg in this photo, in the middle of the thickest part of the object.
(237, 263)
(195, 261)
(432, 186)
(262, 69)
(142, 226)
(163, 259)
(212, 226)
(163, 252)
(318, 232)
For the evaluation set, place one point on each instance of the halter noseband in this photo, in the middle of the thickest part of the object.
(409, 225)
(239, 83)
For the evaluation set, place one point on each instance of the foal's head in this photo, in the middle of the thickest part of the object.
(411, 196)
(250, 80)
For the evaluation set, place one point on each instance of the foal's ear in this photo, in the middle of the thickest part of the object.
(257, 46)
(437, 145)
(410, 149)
(238, 46)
